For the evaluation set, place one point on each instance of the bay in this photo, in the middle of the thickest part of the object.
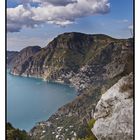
(30, 100)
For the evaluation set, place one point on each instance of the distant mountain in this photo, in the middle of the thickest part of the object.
(16, 59)
(10, 57)
(91, 63)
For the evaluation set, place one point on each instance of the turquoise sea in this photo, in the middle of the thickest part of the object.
(30, 100)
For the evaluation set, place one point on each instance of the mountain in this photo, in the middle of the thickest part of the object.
(68, 54)
(90, 63)
(20, 61)
(10, 57)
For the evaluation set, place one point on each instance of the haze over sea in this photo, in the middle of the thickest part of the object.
(31, 100)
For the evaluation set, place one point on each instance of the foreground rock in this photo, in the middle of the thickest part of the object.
(114, 112)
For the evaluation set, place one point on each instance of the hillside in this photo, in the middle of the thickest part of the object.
(91, 63)
(16, 134)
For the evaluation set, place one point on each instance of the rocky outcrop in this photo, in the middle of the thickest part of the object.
(114, 112)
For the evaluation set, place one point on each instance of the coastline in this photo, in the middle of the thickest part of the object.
(61, 82)
(51, 82)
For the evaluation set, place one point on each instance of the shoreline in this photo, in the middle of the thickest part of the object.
(46, 80)
(42, 79)
(49, 81)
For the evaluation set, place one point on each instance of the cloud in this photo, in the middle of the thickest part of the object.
(122, 21)
(50, 11)
(20, 17)
(130, 27)
(53, 2)
(56, 2)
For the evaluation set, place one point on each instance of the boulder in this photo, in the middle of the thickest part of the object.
(114, 112)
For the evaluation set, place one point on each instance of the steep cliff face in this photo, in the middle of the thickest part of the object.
(22, 60)
(114, 112)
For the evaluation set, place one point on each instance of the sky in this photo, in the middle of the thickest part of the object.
(37, 22)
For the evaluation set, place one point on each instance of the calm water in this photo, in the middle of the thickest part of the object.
(31, 100)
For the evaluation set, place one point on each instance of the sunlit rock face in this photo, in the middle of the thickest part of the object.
(114, 112)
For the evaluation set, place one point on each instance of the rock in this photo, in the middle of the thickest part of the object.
(114, 112)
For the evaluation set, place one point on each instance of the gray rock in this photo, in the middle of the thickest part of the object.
(114, 112)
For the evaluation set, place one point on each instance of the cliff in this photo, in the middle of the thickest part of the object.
(91, 63)
(114, 112)
(20, 60)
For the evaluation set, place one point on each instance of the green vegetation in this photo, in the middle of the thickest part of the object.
(15, 134)
(91, 123)
(89, 134)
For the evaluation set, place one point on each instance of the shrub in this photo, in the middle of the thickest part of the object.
(89, 135)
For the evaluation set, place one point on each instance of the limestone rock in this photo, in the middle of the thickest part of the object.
(114, 112)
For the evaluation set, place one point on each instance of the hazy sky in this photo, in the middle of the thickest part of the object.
(36, 22)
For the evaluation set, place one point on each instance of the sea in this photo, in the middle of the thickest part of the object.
(32, 100)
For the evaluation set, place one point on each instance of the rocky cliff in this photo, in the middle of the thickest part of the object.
(91, 63)
(114, 112)
(19, 61)
(10, 58)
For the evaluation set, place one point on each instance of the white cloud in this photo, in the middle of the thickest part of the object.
(125, 20)
(53, 13)
(122, 21)
(53, 2)
(56, 2)
(130, 27)
(19, 17)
